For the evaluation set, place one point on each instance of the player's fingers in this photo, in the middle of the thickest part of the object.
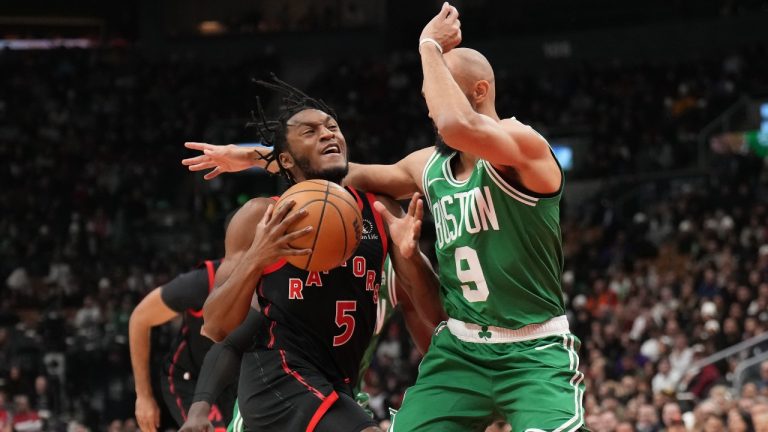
(412, 204)
(419, 210)
(157, 418)
(445, 9)
(195, 160)
(282, 210)
(291, 236)
(382, 209)
(454, 13)
(196, 145)
(213, 174)
(416, 231)
(202, 166)
(296, 252)
(292, 218)
(268, 214)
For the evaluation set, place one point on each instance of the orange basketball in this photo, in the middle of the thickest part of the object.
(336, 219)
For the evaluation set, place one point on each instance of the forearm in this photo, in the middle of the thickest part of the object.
(418, 328)
(139, 342)
(424, 287)
(446, 102)
(221, 365)
(228, 304)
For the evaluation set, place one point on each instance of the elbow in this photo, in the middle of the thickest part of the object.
(213, 332)
(454, 129)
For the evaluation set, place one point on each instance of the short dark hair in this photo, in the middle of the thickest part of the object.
(272, 132)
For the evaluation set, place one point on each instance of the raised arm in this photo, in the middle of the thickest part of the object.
(256, 238)
(151, 312)
(399, 180)
(478, 130)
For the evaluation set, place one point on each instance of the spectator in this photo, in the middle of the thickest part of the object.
(25, 419)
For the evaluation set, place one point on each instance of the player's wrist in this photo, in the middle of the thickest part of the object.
(426, 41)
(199, 409)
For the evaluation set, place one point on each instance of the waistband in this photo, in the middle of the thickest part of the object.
(469, 332)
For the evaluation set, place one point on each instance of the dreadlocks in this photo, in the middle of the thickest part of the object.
(272, 131)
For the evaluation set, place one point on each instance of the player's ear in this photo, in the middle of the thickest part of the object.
(286, 160)
(481, 90)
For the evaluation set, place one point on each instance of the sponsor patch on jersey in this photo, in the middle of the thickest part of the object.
(368, 233)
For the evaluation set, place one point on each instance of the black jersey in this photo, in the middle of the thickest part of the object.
(327, 318)
(186, 295)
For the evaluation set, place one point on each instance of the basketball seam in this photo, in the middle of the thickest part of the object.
(319, 224)
(341, 218)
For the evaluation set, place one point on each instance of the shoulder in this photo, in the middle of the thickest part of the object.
(251, 212)
(531, 140)
(243, 223)
(419, 157)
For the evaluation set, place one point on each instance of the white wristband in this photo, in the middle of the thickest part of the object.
(430, 40)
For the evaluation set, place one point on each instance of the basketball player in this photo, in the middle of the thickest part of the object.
(317, 326)
(494, 188)
(222, 361)
(184, 296)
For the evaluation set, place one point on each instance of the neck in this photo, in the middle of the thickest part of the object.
(488, 109)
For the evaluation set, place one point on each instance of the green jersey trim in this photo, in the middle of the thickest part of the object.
(424, 184)
(448, 173)
(507, 188)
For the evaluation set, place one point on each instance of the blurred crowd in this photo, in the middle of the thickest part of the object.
(98, 211)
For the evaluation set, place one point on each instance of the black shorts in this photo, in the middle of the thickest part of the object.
(178, 393)
(284, 393)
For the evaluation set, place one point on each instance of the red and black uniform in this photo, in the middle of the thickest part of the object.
(186, 295)
(307, 351)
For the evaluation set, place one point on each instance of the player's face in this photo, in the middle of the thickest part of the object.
(316, 147)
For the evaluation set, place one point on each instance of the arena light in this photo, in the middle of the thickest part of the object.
(211, 27)
(45, 44)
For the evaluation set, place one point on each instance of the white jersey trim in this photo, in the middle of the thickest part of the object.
(506, 187)
(476, 333)
(424, 176)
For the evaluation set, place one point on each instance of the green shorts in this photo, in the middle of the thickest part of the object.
(236, 425)
(462, 386)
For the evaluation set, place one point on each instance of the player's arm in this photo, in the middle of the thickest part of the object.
(510, 143)
(419, 329)
(150, 312)
(257, 237)
(410, 265)
(399, 180)
(220, 370)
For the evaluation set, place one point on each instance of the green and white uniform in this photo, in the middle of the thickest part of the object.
(506, 348)
(386, 307)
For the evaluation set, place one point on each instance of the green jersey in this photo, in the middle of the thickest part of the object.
(386, 306)
(499, 249)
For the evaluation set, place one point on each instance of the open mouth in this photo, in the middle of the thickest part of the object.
(332, 149)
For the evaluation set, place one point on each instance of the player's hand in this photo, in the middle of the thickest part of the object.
(445, 28)
(271, 239)
(197, 418)
(147, 414)
(405, 231)
(225, 158)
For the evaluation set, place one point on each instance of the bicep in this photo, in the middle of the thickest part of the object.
(512, 144)
(392, 180)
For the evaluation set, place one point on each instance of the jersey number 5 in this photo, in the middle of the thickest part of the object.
(471, 273)
(345, 320)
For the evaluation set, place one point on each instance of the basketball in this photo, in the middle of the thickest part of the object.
(337, 222)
